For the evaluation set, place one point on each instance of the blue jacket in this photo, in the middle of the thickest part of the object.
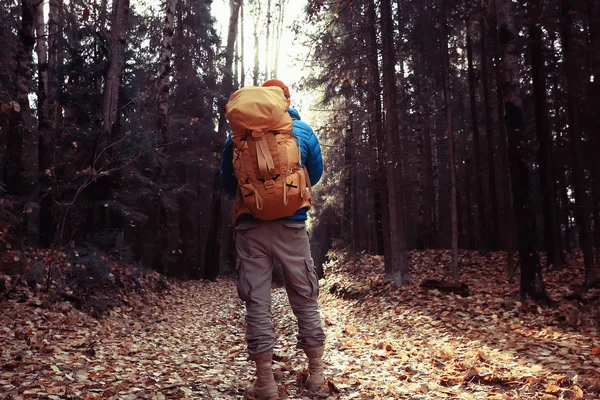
(309, 150)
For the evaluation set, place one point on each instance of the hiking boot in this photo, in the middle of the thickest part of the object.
(264, 387)
(315, 366)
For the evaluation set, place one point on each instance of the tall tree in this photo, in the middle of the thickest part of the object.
(399, 253)
(378, 134)
(114, 72)
(44, 131)
(510, 224)
(450, 138)
(51, 120)
(493, 237)
(228, 69)
(268, 41)
(531, 273)
(481, 221)
(20, 122)
(583, 201)
(349, 227)
(255, 11)
(544, 137)
(164, 74)
(242, 47)
(281, 9)
(592, 122)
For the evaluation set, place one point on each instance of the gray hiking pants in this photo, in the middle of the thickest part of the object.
(258, 243)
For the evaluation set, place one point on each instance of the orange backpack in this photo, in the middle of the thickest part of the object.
(272, 183)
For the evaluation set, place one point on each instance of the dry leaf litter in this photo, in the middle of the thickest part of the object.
(187, 340)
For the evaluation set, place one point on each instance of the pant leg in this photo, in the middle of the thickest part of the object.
(291, 246)
(255, 268)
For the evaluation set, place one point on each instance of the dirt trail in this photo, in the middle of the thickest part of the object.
(382, 344)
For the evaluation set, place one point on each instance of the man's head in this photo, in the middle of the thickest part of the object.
(278, 83)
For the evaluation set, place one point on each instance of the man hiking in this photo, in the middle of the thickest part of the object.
(270, 162)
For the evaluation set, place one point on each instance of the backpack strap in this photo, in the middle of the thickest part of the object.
(266, 166)
(307, 193)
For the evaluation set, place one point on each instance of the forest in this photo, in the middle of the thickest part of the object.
(461, 183)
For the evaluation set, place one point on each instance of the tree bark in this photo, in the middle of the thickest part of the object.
(531, 273)
(593, 125)
(40, 188)
(242, 46)
(54, 60)
(381, 198)
(348, 229)
(20, 120)
(115, 65)
(493, 226)
(399, 263)
(510, 223)
(165, 72)
(544, 137)
(228, 70)
(583, 202)
(428, 231)
(450, 138)
(279, 34)
(256, 15)
(268, 41)
(481, 221)
(41, 48)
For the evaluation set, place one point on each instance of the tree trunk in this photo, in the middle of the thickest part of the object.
(41, 48)
(593, 125)
(115, 64)
(399, 260)
(20, 121)
(213, 250)
(268, 40)
(381, 199)
(348, 229)
(54, 60)
(256, 71)
(436, 223)
(164, 74)
(510, 224)
(228, 70)
(493, 226)
(561, 169)
(41, 188)
(469, 171)
(544, 137)
(243, 50)
(450, 137)
(279, 34)
(481, 221)
(427, 234)
(531, 273)
(52, 120)
(583, 202)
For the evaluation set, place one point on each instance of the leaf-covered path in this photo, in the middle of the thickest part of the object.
(188, 342)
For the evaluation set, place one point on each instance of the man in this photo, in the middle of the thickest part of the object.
(258, 242)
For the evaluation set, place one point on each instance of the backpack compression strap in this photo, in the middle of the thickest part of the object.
(266, 166)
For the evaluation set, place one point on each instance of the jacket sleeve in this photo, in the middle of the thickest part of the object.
(227, 177)
(314, 159)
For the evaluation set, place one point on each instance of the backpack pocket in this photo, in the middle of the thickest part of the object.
(251, 197)
(294, 185)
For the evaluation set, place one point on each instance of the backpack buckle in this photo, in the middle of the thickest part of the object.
(257, 135)
(269, 184)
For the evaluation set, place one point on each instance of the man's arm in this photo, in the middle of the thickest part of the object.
(228, 180)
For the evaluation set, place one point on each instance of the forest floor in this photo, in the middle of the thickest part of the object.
(187, 339)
